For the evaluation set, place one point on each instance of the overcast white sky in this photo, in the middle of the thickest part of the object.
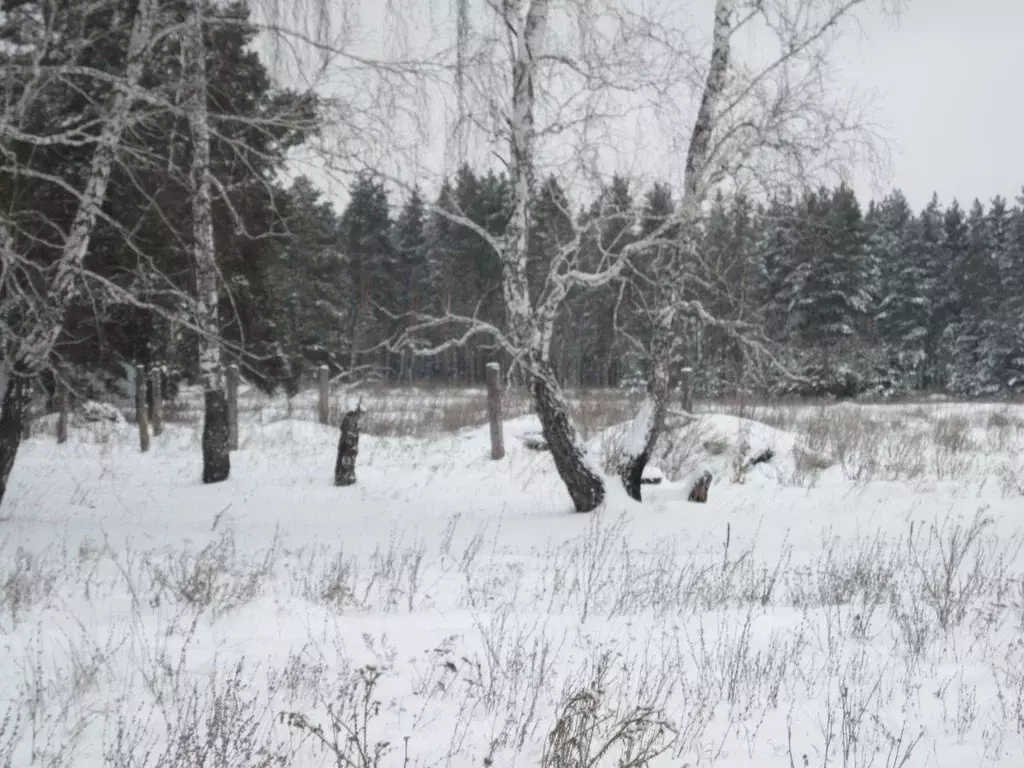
(947, 81)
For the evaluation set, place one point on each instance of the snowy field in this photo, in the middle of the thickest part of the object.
(857, 600)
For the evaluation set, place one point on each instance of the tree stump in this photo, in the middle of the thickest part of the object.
(494, 410)
(348, 449)
(699, 491)
(141, 410)
(232, 406)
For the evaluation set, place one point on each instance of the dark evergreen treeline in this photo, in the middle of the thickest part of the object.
(884, 300)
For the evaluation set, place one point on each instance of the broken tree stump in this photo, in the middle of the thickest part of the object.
(494, 410)
(699, 491)
(348, 449)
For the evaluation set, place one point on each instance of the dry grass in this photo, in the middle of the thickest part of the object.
(415, 411)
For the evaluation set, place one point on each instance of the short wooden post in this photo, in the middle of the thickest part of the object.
(348, 449)
(141, 411)
(494, 410)
(232, 381)
(62, 412)
(156, 407)
(324, 403)
(686, 385)
(699, 490)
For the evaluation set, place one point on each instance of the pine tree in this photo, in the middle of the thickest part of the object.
(414, 275)
(368, 249)
(900, 307)
(831, 286)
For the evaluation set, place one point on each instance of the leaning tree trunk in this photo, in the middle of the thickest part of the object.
(32, 350)
(585, 485)
(650, 421)
(12, 411)
(646, 428)
(216, 429)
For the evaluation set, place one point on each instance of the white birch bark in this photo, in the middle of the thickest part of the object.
(216, 443)
(35, 349)
(206, 274)
(529, 333)
(529, 30)
(650, 420)
(32, 352)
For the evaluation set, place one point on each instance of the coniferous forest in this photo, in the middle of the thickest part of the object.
(873, 299)
(858, 298)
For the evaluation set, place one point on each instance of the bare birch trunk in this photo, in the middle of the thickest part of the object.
(34, 350)
(216, 431)
(585, 486)
(656, 409)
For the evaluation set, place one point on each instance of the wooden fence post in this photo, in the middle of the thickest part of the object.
(686, 385)
(232, 381)
(62, 412)
(141, 411)
(324, 403)
(156, 413)
(494, 410)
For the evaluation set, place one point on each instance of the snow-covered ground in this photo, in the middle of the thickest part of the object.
(856, 600)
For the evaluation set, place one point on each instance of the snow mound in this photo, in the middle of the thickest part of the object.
(733, 449)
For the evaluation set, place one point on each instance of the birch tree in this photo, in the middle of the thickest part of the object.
(578, 72)
(35, 302)
(216, 442)
(759, 127)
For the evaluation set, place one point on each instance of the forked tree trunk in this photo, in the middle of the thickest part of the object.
(12, 411)
(651, 421)
(646, 429)
(216, 429)
(585, 486)
(526, 329)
